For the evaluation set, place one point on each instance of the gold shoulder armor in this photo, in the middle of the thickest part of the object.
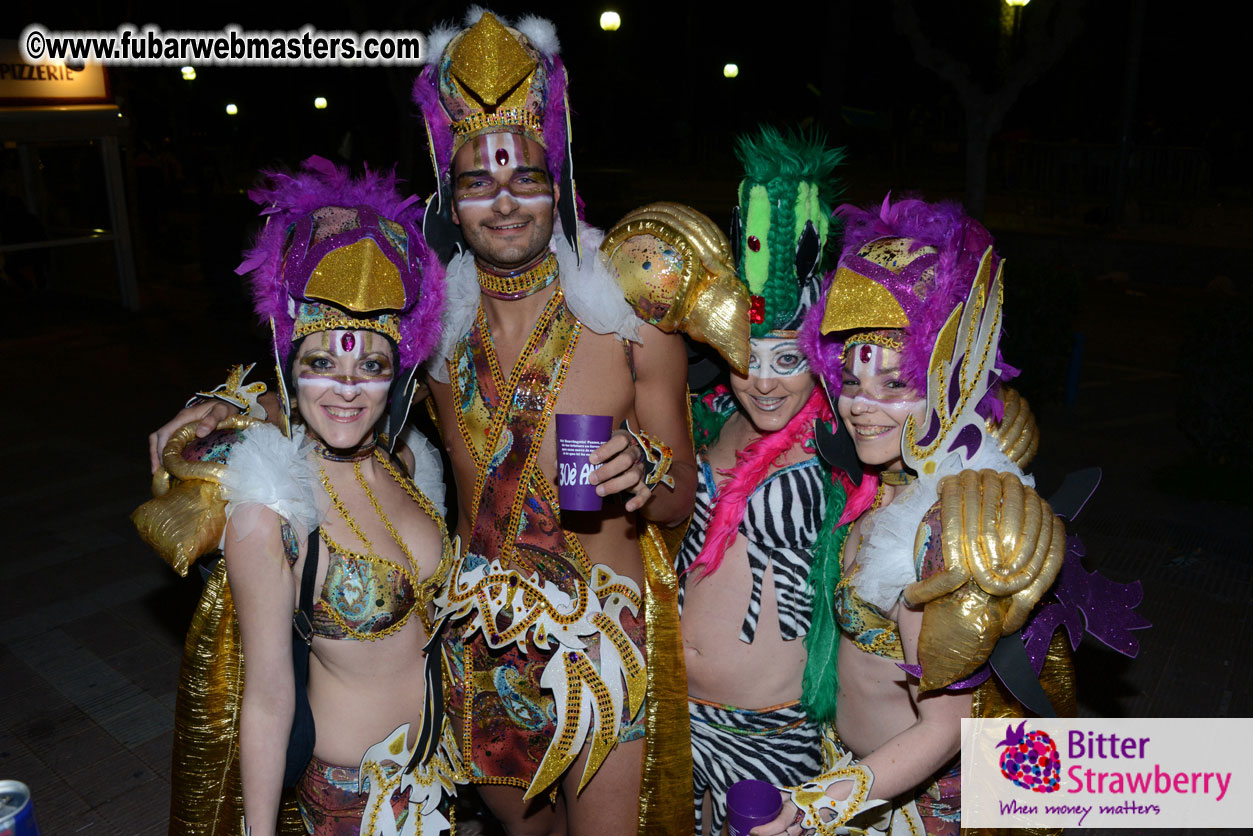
(187, 514)
(1016, 434)
(1002, 547)
(675, 269)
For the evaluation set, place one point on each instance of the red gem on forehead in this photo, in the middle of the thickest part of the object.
(865, 354)
(754, 243)
(757, 310)
(347, 341)
(502, 156)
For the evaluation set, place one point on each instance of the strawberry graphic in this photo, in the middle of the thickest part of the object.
(1030, 760)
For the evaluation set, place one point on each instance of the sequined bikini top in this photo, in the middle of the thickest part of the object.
(364, 596)
(866, 625)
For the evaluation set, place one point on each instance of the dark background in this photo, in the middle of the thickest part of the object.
(1117, 185)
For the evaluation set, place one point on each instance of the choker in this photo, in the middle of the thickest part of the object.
(518, 284)
(896, 477)
(353, 454)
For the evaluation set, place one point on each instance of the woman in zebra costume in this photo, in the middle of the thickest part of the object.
(762, 497)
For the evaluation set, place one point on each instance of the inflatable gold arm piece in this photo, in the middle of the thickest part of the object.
(1017, 434)
(1003, 547)
(675, 268)
(187, 515)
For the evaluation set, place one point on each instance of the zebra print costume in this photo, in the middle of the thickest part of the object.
(779, 744)
(780, 527)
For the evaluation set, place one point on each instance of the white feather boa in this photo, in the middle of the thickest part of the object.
(269, 470)
(591, 294)
(428, 467)
(886, 559)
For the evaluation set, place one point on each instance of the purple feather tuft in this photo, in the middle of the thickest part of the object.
(288, 196)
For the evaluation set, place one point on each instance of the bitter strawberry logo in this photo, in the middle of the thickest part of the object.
(1030, 760)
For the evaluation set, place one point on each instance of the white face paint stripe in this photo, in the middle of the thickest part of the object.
(349, 389)
(530, 200)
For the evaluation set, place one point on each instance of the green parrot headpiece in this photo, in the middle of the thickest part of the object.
(779, 229)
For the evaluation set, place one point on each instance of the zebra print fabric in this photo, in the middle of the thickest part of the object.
(780, 527)
(778, 745)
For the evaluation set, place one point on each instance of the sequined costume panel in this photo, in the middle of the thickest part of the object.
(781, 523)
(329, 801)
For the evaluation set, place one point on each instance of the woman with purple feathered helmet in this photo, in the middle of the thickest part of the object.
(907, 345)
(323, 516)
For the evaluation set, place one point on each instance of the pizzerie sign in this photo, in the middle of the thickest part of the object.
(1167, 773)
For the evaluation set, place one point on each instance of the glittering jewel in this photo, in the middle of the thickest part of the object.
(896, 477)
(502, 157)
(754, 243)
(352, 454)
(865, 354)
(521, 283)
(347, 341)
(757, 310)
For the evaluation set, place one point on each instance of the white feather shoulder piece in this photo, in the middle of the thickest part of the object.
(591, 294)
(276, 472)
(886, 559)
(428, 468)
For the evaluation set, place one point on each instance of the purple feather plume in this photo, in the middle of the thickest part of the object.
(288, 196)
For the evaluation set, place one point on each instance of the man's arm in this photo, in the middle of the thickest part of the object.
(661, 407)
(208, 413)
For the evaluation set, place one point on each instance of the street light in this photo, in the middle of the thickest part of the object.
(610, 21)
(730, 70)
(189, 73)
(320, 103)
(1017, 3)
(231, 110)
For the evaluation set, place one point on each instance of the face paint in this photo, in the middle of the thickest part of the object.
(775, 358)
(874, 403)
(503, 199)
(342, 382)
(346, 363)
(503, 167)
(777, 386)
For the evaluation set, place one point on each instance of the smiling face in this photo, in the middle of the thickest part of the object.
(342, 382)
(874, 403)
(778, 383)
(503, 199)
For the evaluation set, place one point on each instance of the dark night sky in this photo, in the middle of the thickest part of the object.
(652, 96)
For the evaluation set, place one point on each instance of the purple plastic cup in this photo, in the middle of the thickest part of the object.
(578, 436)
(750, 803)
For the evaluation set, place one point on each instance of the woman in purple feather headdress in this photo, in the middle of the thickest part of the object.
(324, 518)
(907, 346)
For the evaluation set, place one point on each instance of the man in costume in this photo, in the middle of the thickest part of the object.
(546, 611)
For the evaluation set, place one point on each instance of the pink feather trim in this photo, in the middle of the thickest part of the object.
(752, 464)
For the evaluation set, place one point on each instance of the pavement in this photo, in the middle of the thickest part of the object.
(92, 622)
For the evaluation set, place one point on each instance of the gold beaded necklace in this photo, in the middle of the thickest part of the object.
(518, 285)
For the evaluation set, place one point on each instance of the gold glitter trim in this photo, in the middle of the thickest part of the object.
(521, 284)
(386, 327)
(491, 64)
(357, 278)
(857, 302)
